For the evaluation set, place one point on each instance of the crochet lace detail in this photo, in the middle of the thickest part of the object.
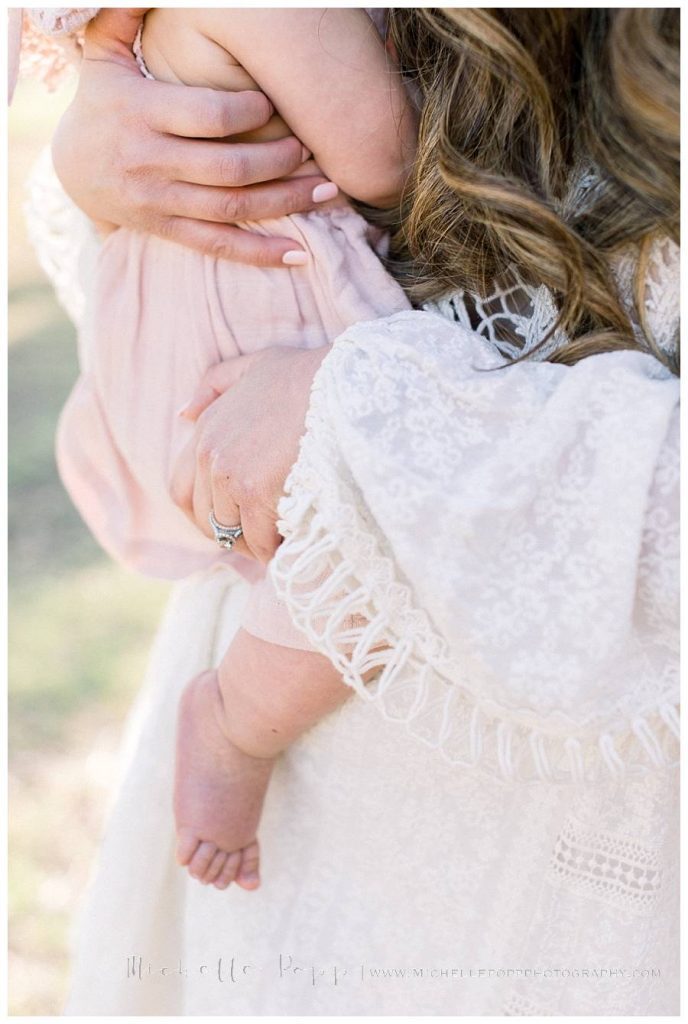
(613, 868)
(530, 313)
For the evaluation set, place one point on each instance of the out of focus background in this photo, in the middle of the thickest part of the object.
(79, 625)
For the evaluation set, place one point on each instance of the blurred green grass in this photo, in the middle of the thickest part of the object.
(79, 626)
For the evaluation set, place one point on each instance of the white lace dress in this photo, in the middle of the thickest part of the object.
(502, 838)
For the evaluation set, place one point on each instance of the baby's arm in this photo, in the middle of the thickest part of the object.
(328, 74)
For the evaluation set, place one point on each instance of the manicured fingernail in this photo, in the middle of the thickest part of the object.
(321, 193)
(295, 258)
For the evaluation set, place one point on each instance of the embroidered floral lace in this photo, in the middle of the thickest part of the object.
(507, 537)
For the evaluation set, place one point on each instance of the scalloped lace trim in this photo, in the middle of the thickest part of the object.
(343, 592)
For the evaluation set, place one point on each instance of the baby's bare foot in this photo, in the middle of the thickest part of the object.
(218, 792)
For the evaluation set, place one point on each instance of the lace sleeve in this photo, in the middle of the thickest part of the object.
(62, 21)
(506, 540)
(45, 42)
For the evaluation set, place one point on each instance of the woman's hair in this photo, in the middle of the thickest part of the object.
(519, 105)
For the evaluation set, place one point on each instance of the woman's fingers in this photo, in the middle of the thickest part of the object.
(184, 188)
(206, 392)
(191, 489)
(215, 382)
(227, 513)
(260, 532)
(194, 488)
(210, 202)
(244, 443)
(196, 112)
(183, 479)
(202, 501)
(224, 241)
(231, 164)
(152, 167)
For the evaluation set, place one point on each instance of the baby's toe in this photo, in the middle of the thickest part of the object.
(248, 876)
(187, 844)
(215, 867)
(228, 873)
(200, 862)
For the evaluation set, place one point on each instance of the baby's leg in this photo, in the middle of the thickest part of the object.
(219, 791)
(232, 725)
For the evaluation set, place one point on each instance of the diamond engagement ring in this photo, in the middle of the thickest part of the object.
(226, 536)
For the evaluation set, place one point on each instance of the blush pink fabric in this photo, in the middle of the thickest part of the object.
(162, 315)
(14, 34)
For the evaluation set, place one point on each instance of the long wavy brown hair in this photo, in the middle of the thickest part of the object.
(517, 105)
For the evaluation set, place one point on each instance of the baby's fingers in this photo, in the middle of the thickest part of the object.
(248, 876)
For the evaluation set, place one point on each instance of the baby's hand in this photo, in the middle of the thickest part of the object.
(218, 793)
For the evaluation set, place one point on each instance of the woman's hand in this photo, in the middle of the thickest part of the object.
(250, 414)
(141, 154)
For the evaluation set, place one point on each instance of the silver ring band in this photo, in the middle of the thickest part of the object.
(226, 536)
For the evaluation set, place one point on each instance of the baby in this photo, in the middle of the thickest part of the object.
(162, 315)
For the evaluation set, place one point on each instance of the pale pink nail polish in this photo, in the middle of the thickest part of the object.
(321, 193)
(295, 258)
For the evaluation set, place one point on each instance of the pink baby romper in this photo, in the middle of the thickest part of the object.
(162, 315)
